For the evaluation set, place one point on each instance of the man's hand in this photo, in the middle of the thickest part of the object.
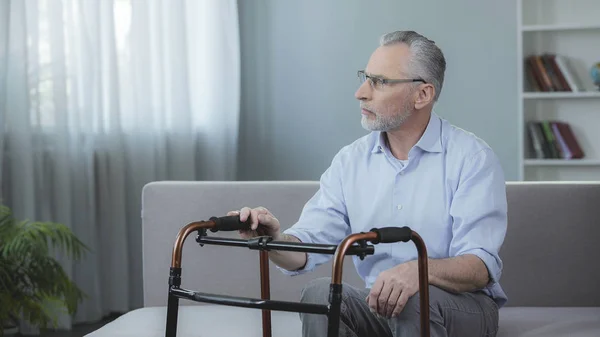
(262, 222)
(393, 288)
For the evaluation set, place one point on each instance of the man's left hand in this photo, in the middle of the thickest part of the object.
(393, 288)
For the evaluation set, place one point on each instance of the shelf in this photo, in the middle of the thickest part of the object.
(562, 162)
(556, 95)
(559, 27)
(571, 29)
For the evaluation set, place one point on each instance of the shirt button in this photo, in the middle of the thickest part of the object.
(401, 173)
(399, 206)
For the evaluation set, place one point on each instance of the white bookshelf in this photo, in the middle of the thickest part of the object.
(570, 28)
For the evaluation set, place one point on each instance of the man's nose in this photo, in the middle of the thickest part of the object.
(363, 93)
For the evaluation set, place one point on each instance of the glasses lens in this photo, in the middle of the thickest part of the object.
(376, 82)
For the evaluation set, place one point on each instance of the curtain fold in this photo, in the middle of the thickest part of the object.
(98, 98)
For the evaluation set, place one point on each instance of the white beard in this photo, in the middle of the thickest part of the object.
(385, 123)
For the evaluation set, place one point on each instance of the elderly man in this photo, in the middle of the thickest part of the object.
(413, 169)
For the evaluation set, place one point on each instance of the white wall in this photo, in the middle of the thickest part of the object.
(299, 62)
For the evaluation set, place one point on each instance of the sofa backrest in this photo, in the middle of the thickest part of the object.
(550, 253)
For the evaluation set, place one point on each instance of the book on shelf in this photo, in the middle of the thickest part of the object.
(550, 73)
(551, 139)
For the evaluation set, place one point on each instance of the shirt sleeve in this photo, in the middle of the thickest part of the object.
(324, 218)
(479, 211)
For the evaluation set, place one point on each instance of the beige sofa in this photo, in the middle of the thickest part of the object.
(551, 254)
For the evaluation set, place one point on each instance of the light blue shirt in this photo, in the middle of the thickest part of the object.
(451, 191)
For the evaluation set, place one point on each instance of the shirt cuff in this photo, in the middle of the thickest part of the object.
(310, 258)
(492, 264)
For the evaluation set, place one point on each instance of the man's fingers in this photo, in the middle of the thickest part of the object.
(400, 304)
(263, 216)
(253, 219)
(244, 214)
(262, 221)
(262, 210)
(392, 301)
(265, 219)
(384, 295)
(374, 294)
(255, 216)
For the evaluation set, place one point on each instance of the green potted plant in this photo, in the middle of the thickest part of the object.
(33, 284)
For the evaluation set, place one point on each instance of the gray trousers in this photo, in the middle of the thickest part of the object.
(454, 315)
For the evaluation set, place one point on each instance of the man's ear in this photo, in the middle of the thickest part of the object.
(424, 95)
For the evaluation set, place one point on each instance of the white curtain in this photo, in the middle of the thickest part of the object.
(99, 97)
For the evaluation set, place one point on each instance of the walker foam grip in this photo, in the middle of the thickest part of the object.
(392, 234)
(229, 223)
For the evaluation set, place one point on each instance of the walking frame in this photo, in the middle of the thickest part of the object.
(353, 244)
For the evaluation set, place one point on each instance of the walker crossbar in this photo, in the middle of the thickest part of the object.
(286, 246)
(354, 244)
(255, 303)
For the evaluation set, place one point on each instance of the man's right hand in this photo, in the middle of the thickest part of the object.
(262, 223)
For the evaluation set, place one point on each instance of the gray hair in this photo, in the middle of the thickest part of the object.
(427, 60)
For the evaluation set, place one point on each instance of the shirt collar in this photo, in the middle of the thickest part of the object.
(430, 141)
(379, 142)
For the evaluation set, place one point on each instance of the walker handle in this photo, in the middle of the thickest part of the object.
(392, 234)
(229, 223)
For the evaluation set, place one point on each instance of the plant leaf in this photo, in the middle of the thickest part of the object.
(31, 280)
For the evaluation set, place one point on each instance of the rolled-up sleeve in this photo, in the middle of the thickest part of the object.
(324, 218)
(479, 212)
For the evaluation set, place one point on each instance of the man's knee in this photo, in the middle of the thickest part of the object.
(466, 314)
(440, 301)
(316, 291)
(408, 322)
(413, 305)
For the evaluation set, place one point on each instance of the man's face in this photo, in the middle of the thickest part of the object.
(385, 108)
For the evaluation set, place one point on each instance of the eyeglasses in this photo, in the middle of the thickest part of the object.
(380, 83)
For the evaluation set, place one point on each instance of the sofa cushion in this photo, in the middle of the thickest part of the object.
(201, 321)
(221, 321)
